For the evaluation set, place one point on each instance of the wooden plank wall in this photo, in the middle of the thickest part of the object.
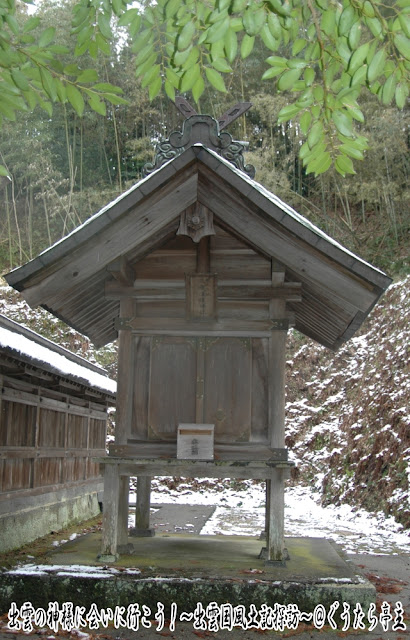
(47, 439)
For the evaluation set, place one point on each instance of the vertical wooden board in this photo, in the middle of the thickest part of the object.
(79, 468)
(227, 399)
(97, 432)
(47, 471)
(68, 470)
(16, 474)
(51, 428)
(77, 432)
(172, 386)
(139, 422)
(260, 390)
(18, 424)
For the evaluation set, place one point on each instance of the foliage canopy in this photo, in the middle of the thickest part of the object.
(322, 53)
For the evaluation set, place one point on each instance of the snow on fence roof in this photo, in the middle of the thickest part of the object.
(29, 346)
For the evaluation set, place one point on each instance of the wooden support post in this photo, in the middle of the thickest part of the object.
(142, 510)
(276, 553)
(265, 533)
(124, 489)
(109, 552)
(275, 487)
(125, 378)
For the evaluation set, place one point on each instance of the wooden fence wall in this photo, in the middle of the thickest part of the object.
(47, 439)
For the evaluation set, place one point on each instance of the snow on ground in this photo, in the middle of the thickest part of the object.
(240, 510)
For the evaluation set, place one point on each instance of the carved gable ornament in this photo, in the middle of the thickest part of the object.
(206, 131)
(196, 222)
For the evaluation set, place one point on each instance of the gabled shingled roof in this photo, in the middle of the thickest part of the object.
(32, 352)
(338, 288)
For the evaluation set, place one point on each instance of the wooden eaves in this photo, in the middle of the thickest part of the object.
(69, 279)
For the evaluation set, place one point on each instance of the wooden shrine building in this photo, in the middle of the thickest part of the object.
(200, 271)
(53, 423)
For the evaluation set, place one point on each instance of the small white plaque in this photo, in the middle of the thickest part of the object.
(195, 442)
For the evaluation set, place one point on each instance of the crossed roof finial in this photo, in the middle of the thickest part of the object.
(229, 116)
(204, 130)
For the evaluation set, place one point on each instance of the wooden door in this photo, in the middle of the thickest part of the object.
(217, 380)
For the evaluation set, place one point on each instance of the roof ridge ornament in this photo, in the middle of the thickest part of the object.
(205, 130)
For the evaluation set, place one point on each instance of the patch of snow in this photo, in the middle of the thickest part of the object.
(62, 365)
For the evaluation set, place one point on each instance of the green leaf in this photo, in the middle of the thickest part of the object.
(239, 5)
(274, 26)
(273, 72)
(4, 172)
(282, 9)
(288, 79)
(46, 37)
(376, 67)
(344, 165)
(182, 56)
(267, 38)
(296, 63)
(169, 90)
(321, 162)
(403, 45)
(375, 26)
(20, 80)
(114, 99)
(220, 64)
(231, 44)
(104, 25)
(127, 17)
(48, 83)
(88, 75)
(360, 76)
(247, 45)
(277, 61)
(171, 8)
(347, 19)
(143, 54)
(288, 112)
(351, 151)
(215, 79)
(172, 77)
(355, 35)
(309, 76)
(316, 134)
(328, 22)
(59, 49)
(358, 57)
(12, 22)
(31, 24)
(186, 36)
(190, 77)
(343, 123)
(75, 98)
(253, 21)
(305, 121)
(198, 89)
(96, 104)
(405, 24)
(155, 88)
(143, 68)
(135, 26)
(150, 75)
(298, 46)
(389, 89)
(217, 31)
(401, 94)
(107, 87)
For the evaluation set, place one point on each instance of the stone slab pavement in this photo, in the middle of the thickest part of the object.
(389, 573)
